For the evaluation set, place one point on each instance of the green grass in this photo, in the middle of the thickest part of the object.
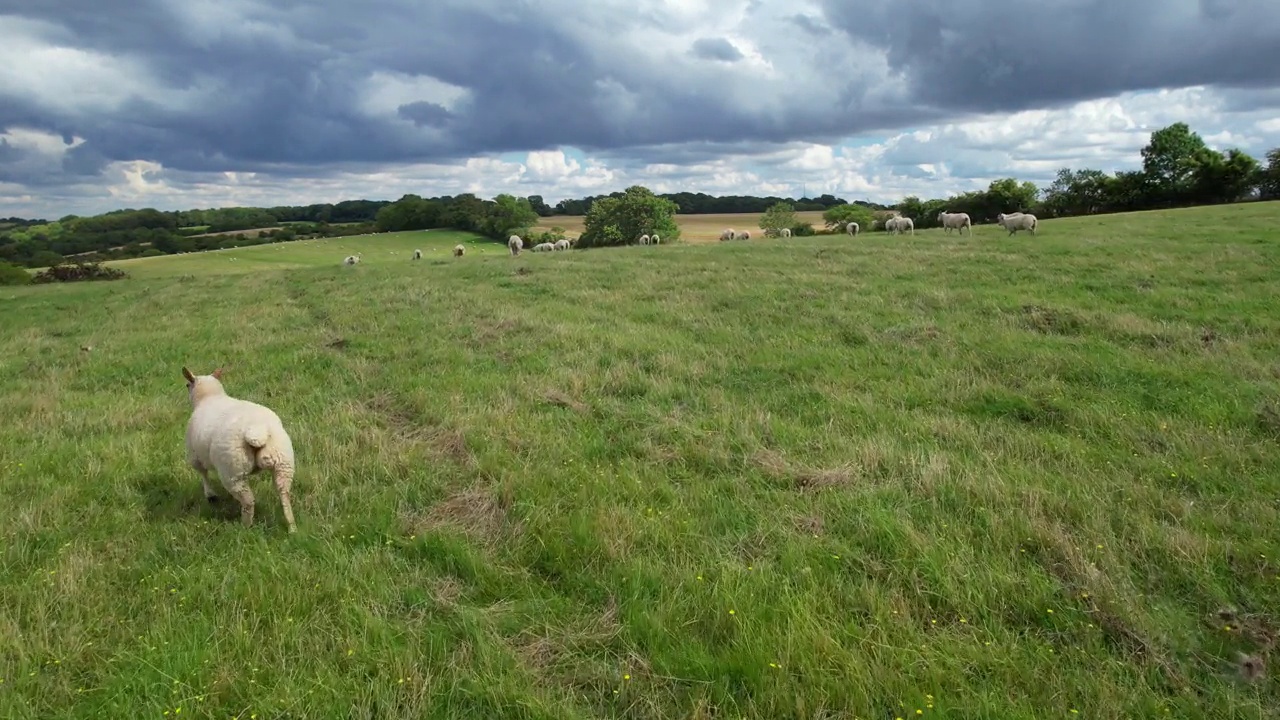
(880, 477)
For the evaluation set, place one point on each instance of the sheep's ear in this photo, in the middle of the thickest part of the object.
(187, 374)
(217, 373)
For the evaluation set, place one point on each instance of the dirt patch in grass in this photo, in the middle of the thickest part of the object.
(802, 476)
(474, 512)
(402, 420)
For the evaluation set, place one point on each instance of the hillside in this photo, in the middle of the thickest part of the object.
(929, 476)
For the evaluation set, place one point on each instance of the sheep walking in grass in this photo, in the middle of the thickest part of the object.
(786, 232)
(544, 247)
(459, 249)
(417, 254)
(745, 235)
(853, 228)
(351, 259)
(900, 224)
(956, 221)
(236, 438)
(728, 234)
(1014, 222)
(655, 239)
(644, 239)
(562, 244)
(515, 245)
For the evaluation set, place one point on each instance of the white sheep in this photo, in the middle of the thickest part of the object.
(351, 259)
(459, 249)
(853, 228)
(786, 232)
(900, 224)
(744, 235)
(1014, 222)
(655, 239)
(562, 244)
(236, 438)
(515, 245)
(958, 221)
(544, 247)
(417, 254)
(644, 239)
(727, 234)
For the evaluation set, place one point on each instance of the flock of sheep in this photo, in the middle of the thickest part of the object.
(1013, 222)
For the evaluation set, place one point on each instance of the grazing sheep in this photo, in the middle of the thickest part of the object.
(744, 235)
(1014, 222)
(958, 221)
(236, 438)
(786, 232)
(728, 234)
(515, 245)
(644, 239)
(417, 254)
(351, 259)
(900, 224)
(853, 228)
(562, 244)
(655, 239)
(544, 247)
(459, 249)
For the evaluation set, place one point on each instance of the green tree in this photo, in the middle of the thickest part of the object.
(1168, 161)
(1270, 178)
(1219, 178)
(623, 219)
(540, 206)
(507, 215)
(779, 216)
(838, 217)
(1008, 195)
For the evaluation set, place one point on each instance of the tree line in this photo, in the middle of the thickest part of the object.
(1178, 169)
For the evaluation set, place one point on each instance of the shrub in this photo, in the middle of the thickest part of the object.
(802, 230)
(79, 272)
(11, 274)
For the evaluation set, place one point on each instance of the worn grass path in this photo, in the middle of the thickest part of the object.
(820, 478)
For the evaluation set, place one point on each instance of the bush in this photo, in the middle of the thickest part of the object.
(11, 274)
(79, 272)
(802, 230)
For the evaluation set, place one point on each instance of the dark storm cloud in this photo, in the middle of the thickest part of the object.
(716, 49)
(996, 55)
(277, 87)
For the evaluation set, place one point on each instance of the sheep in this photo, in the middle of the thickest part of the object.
(236, 438)
(544, 247)
(899, 224)
(853, 228)
(515, 245)
(644, 239)
(655, 239)
(562, 244)
(351, 259)
(1014, 222)
(959, 221)
(417, 254)
(728, 234)
(786, 232)
(745, 235)
(459, 249)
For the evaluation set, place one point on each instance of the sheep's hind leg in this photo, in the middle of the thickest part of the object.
(209, 494)
(283, 477)
(239, 489)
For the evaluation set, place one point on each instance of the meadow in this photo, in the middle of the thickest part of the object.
(693, 228)
(826, 477)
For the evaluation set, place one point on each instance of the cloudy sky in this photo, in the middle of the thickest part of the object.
(200, 103)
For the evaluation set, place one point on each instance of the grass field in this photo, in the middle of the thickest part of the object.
(928, 476)
(693, 228)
